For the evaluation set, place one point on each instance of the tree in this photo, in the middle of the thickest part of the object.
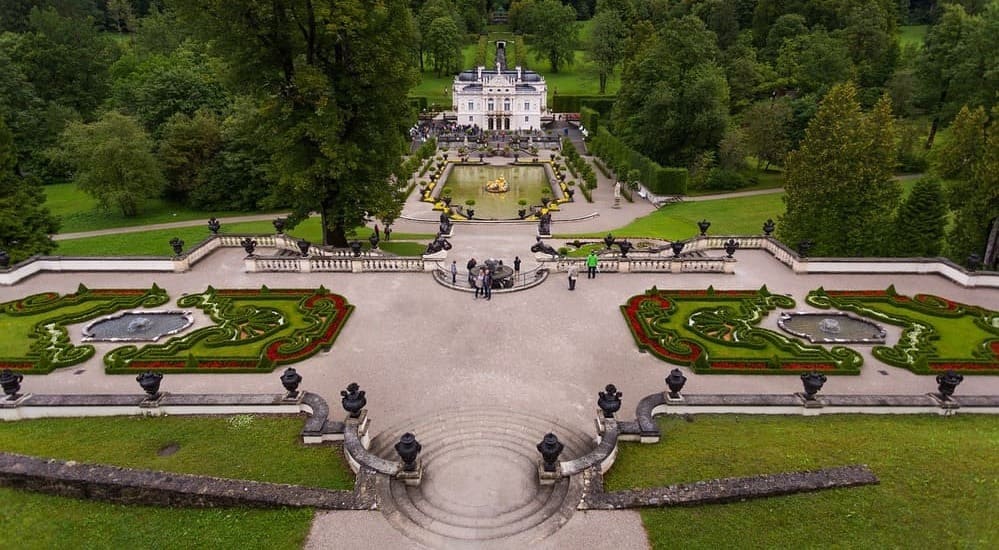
(873, 47)
(330, 82)
(919, 224)
(161, 86)
(949, 70)
(784, 28)
(430, 12)
(443, 45)
(66, 60)
(673, 101)
(975, 202)
(956, 159)
(606, 44)
(25, 223)
(113, 161)
(187, 146)
(839, 189)
(720, 17)
(732, 149)
(554, 33)
(120, 15)
(815, 61)
(768, 126)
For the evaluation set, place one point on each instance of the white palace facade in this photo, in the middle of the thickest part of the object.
(500, 99)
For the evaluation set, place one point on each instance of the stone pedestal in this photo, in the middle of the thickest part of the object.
(152, 402)
(361, 422)
(411, 479)
(549, 478)
(293, 397)
(13, 403)
(673, 400)
(813, 407)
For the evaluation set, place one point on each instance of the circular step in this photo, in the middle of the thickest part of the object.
(480, 482)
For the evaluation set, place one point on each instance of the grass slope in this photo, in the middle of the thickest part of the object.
(939, 479)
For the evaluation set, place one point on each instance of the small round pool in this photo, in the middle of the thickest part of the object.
(137, 326)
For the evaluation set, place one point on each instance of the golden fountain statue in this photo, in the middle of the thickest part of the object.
(497, 185)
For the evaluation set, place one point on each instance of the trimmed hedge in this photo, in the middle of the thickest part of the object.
(622, 159)
(716, 332)
(590, 119)
(48, 314)
(929, 324)
(480, 51)
(271, 327)
(569, 103)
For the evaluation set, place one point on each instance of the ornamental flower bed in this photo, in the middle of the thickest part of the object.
(937, 334)
(256, 330)
(715, 332)
(36, 340)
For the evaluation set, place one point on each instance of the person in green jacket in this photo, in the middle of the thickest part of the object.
(591, 265)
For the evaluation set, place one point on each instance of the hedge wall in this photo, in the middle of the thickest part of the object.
(590, 119)
(569, 103)
(622, 159)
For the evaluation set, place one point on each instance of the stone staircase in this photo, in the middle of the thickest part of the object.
(480, 484)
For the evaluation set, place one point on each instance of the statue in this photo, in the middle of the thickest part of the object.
(445, 227)
(545, 224)
(439, 243)
(540, 246)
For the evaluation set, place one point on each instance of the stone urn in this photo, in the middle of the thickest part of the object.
(303, 247)
(249, 245)
(946, 383)
(177, 245)
(408, 449)
(813, 382)
(279, 224)
(150, 383)
(731, 246)
(550, 447)
(609, 240)
(353, 399)
(768, 227)
(625, 247)
(703, 225)
(677, 247)
(355, 247)
(290, 380)
(675, 381)
(214, 225)
(11, 383)
(609, 401)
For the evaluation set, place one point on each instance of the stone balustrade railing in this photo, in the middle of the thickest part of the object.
(343, 260)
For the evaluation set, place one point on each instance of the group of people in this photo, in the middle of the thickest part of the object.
(480, 279)
(591, 269)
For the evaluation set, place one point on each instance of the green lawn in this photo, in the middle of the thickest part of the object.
(736, 216)
(42, 522)
(80, 212)
(157, 242)
(912, 35)
(233, 447)
(939, 480)
(243, 447)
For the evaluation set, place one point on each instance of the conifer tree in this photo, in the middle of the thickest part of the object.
(919, 225)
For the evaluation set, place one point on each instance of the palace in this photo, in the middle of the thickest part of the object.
(500, 99)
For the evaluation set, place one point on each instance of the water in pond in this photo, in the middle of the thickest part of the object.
(137, 326)
(832, 328)
(469, 182)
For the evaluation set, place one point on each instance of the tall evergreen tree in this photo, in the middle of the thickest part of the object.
(839, 189)
(975, 202)
(919, 225)
(25, 223)
(331, 80)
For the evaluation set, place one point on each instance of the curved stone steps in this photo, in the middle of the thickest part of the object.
(480, 482)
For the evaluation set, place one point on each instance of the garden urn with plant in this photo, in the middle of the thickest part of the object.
(675, 382)
(812, 382)
(290, 379)
(947, 382)
(408, 448)
(150, 381)
(353, 400)
(609, 401)
(10, 381)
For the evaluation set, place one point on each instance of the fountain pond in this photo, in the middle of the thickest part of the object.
(832, 328)
(137, 326)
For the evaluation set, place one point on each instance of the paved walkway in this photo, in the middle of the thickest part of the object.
(509, 369)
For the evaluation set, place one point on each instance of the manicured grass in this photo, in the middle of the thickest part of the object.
(80, 212)
(938, 476)
(912, 35)
(157, 242)
(258, 448)
(736, 216)
(38, 521)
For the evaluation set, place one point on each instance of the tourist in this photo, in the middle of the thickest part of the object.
(591, 265)
(516, 265)
(470, 266)
(487, 284)
(454, 272)
(573, 275)
(480, 281)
